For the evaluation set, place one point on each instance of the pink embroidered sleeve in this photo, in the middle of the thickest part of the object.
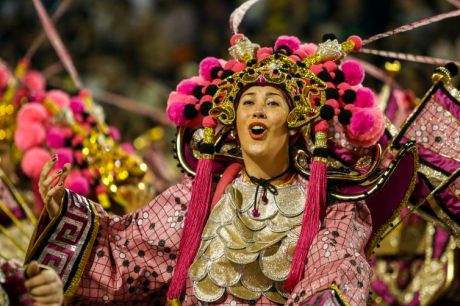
(336, 260)
(133, 256)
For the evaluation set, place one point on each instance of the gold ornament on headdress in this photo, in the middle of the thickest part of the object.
(295, 78)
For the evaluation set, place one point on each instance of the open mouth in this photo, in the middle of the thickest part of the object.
(257, 130)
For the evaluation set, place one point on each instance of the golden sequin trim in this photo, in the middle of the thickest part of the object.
(248, 256)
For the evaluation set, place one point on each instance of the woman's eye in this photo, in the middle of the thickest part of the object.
(247, 102)
(273, 103)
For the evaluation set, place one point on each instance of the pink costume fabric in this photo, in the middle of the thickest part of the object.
(132, 259)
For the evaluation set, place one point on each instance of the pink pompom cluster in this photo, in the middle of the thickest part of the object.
(352, 104)
(39, 134)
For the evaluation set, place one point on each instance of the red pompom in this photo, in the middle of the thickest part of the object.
(364, 97)
(353, 71)
(206, 65)
(33, 161)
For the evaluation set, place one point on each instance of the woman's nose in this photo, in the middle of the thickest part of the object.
(259, 114)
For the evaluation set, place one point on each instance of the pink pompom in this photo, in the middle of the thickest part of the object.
(321, 126)
(176, 106)
(59, 98)
(316, 69)
(5, 75)
(364, 97)
(361, 122)
(128, 147)
(343, 86)
(32, 113)
(205, 98)
(187, 86)
(235, 37)
(209, 122)
(263, 53)
(353, 71)
(234, 65)
(76, 105)
(33, 161)
(29, 135)
(309, 48)
(206, 65)
(175, 112)
(333, 103)
(358, 42)
(55, 138)
(366, 127)
(292, 42)
(65, 156)
(114, 133)
(330, 66)
(34, 80)
(77, 183)
(101, 189)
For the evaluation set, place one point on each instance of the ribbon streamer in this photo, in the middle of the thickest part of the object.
(56, 42)
(409, 57)
(238, 14)
(63, 6)
(413, 25)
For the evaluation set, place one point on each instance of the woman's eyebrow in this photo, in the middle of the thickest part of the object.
(248, 94)
(272, 94)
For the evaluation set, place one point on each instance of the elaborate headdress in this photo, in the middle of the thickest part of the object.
(326, 97)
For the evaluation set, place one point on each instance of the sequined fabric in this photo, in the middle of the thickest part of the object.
(248, 256)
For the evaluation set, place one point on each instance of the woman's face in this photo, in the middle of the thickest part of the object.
(261, 122)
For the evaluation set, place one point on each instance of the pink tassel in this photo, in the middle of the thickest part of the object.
(227, 178)
(197, 214)
(315, 208)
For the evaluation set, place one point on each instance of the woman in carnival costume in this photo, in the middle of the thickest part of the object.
(292, 135)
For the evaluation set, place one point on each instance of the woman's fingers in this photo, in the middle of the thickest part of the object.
(45, 287)
(44, 277)
(32, 269)
(45, 172)
(53, 196)
(45, 290)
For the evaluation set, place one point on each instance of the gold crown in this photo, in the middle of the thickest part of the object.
(294, 77)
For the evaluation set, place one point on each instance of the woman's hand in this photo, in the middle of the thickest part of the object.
(52, 194)
(44, 285)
